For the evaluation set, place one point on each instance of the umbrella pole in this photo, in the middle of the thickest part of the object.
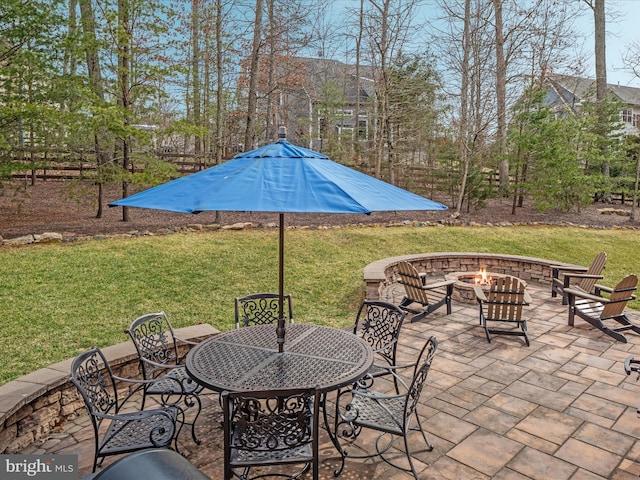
(280, 331)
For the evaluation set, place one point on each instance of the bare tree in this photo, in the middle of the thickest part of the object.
(387, 25)
(102, 141)
(252, 101)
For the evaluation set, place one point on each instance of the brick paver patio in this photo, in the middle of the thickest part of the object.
(562, 408)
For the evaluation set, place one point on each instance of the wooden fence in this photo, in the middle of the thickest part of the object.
(59, 165)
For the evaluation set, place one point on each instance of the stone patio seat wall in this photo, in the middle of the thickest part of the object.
(382, 273)
(37, 404)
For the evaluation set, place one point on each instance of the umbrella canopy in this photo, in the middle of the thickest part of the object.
(281, 178)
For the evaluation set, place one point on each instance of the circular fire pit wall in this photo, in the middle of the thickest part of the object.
(463, 288)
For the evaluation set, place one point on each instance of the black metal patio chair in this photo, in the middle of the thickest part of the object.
(393, 416)
(261, 309)
(379, 323)
(270, 428)
(160, 360)
(115, 431)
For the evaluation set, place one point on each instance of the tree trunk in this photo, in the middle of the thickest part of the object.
(252, 102)
(270, 120)
(123, 79)
(101, 137)
(501, 96)
(195, 72)
(220, 84)
(463, 150)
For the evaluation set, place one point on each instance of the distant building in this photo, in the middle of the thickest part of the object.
(568, 92)
(317, 99)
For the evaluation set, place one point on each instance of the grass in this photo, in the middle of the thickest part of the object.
(60, 299)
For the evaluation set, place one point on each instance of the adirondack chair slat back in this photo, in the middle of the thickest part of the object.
(596, 268)
(505, 298)
(622, 293)
(410, 278)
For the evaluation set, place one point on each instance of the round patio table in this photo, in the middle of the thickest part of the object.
(247, 359)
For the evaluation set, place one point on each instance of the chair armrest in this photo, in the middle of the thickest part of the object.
(140, 383)
(185, 341)
(444, 283)
(567, 268)
(477, 289)
(602, 288)
(573, 292)
(569, 276)
(527, 298)
(163, 412)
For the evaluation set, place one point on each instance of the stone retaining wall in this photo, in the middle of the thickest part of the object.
(381, 273)
(36, 404)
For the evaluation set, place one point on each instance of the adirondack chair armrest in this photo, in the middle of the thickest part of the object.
(479, 293)
(527, 298)
(574, 292)
(573, 276)
(557, 269)
(445, 283)
(602, 288)
(596, 298)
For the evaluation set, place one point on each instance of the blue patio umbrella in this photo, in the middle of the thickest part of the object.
(280, 178)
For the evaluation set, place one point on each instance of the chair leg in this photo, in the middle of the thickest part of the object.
(191, 401)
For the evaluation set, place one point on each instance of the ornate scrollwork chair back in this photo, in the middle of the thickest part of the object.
(115, 432)
(394, 415)
(159, 355)
(261, 309)
(269, 428)
(379, 324)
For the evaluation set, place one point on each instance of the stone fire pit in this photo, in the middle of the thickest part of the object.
(463, 288)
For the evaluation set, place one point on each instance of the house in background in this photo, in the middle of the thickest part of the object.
(568, 92)
(317, 99)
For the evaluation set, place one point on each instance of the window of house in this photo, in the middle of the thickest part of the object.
(627, 116)
(362, 129)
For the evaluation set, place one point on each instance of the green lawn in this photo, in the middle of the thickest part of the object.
(59, 299)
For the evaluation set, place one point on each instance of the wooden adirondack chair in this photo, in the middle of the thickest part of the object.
(580, 278)
(421, 298)
(596, 309)
(503, 303)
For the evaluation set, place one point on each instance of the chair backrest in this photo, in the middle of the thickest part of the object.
(412, 282)
(621, 294)
(261, 309)
(92, 375)
(596, 268)
(379, 324)
(269, 425)
(153, 337)
(505, 298)
(420, 372)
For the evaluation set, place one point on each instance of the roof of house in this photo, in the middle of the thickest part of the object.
(319, 71)
(571, 91)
